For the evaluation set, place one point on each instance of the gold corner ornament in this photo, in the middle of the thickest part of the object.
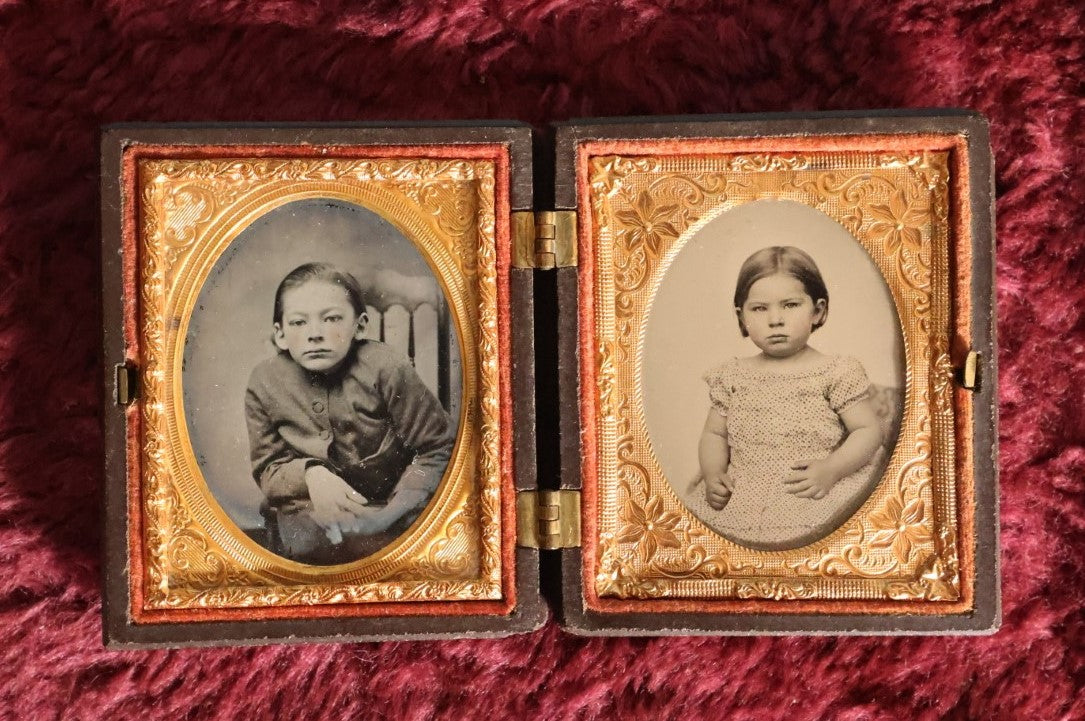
(544, 240)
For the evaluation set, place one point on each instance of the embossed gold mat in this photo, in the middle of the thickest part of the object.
(66, 68)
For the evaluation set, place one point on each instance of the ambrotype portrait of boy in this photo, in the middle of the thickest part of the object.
(347, 440)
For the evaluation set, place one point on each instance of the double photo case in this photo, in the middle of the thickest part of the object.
(701, 375)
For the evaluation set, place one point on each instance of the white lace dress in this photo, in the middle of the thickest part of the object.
(773, 420)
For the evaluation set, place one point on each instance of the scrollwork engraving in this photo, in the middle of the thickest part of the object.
(185, 207)
(901, 545)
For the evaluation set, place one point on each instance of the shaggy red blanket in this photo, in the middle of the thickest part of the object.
(67, 68)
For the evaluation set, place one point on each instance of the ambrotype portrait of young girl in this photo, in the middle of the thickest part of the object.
(797, 380)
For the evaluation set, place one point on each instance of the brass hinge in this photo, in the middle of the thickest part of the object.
(548, 519)
(969, 374)
(125, 384)
(544, 240)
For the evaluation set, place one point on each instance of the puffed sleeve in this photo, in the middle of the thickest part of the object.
(720, 382)
(848, 385)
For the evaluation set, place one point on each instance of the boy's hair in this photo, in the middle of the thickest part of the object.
(325, 272)
(784, 259)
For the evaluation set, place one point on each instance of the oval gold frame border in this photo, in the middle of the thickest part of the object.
(190, 480)
(896, 459)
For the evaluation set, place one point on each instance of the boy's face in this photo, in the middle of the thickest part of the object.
(780, 316)
(319, 325)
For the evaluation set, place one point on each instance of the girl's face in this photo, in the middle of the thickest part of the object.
(319, 325)
(780, 316)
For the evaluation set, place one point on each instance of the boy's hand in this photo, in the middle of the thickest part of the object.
(377, 519)
(370, 520)
(335, 503)
(718, 488)
(810, 479)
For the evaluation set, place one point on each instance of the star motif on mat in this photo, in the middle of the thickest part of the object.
(899, 525)
(897, 223)
(649, 527)
(648, 224)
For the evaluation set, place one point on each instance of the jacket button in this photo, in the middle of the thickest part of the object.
(318, 406)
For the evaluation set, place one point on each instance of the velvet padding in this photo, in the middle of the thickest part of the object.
(66, 68)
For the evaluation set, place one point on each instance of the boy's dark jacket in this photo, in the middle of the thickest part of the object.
(372, 421)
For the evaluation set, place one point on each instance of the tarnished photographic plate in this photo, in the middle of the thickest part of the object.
(304, 317)
(853, 447)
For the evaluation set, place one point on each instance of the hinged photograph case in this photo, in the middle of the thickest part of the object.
(660, 376)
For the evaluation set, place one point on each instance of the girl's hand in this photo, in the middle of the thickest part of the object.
(718, 488)
(335, 503)
(811, 479)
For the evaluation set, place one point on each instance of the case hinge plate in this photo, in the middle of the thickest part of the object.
(548, 519)
(544, 240)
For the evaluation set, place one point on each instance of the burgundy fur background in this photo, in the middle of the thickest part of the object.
(68, 67)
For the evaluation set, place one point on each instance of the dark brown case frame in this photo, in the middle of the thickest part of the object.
(545, 383)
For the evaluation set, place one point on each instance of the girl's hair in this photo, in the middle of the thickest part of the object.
(784, 259)
(325, 272)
